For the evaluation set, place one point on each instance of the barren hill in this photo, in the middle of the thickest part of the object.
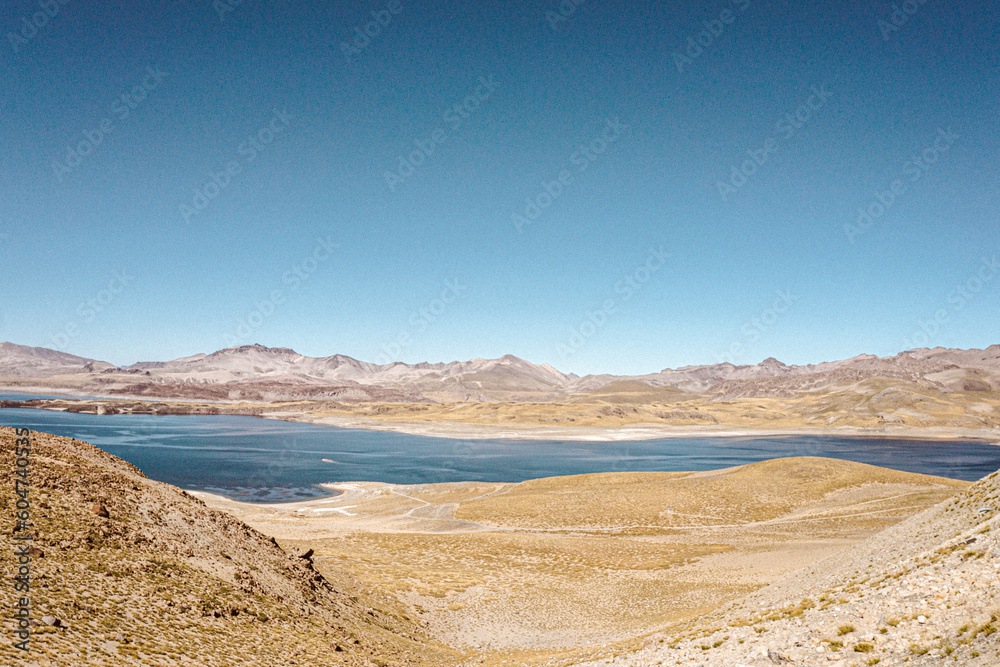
(21, 361)
(924, 592)
(140, 572)
(259, 373)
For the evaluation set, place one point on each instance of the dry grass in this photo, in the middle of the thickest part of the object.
(547, 567)
(163, 580)
(757, 492)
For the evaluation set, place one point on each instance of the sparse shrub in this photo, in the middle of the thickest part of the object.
(863, 647)
(844, 629)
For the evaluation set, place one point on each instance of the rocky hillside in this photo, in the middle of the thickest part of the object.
(924, 592)
(941, 368)
(128, 571)
(21, 361)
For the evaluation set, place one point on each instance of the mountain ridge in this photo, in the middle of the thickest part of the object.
(507, 378)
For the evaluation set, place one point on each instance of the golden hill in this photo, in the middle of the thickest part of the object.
(140, 572)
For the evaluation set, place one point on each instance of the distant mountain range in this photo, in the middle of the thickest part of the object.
(256, 372)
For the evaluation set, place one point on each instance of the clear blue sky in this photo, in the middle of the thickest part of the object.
(760, 266)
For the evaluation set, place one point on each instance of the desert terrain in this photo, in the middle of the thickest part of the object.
(645, 568)
(562, 567)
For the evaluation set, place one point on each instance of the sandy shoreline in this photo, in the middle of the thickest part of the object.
(466, 431)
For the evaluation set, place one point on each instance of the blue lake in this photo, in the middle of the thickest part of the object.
(266, 460)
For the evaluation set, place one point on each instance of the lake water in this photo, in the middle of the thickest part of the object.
(266, 460)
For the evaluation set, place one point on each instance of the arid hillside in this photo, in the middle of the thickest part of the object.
(128, 571)
(924, 592)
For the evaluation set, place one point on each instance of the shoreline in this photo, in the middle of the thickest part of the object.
(458, 430)
(640, 431)
(333, 493)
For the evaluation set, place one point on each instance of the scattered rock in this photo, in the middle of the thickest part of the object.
(100, 510)
(776, 657)
(52, 621)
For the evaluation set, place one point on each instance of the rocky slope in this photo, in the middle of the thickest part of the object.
(21, 361)
(128, 571)
(926, 591)
(943, 368)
